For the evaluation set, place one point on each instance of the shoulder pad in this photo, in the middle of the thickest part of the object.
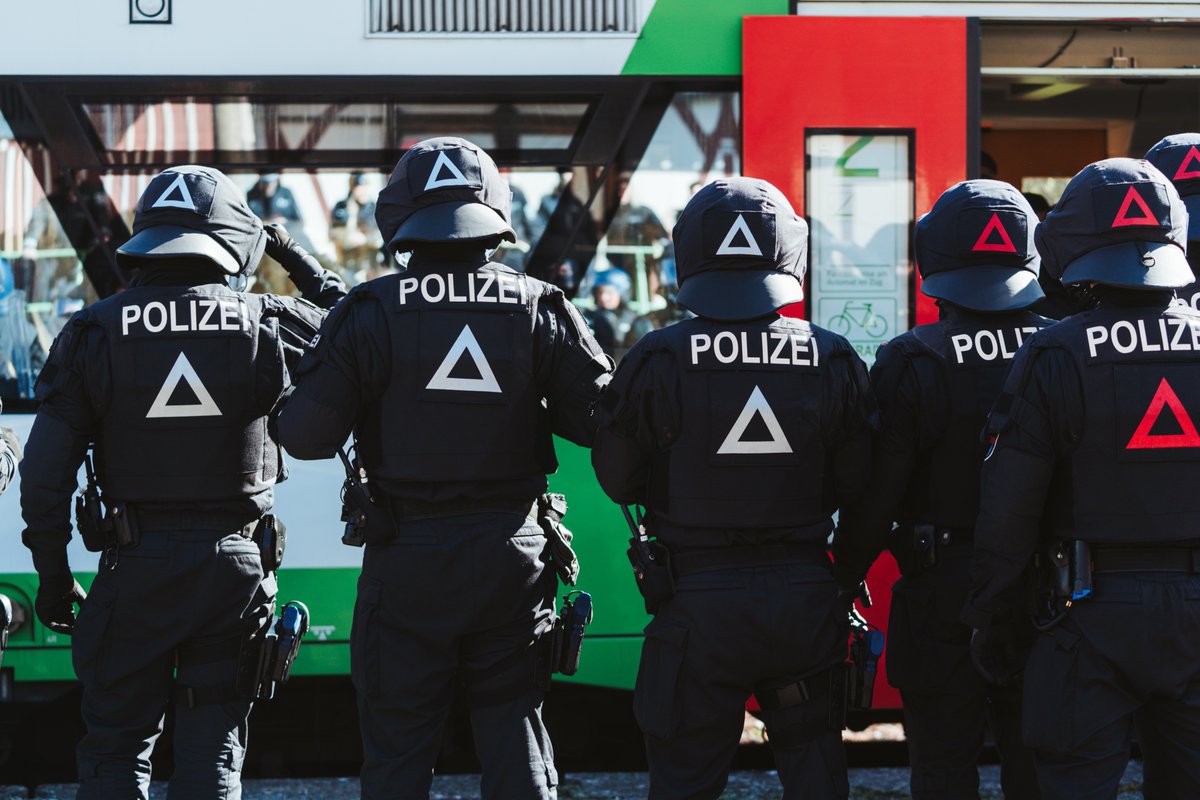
(62, 353)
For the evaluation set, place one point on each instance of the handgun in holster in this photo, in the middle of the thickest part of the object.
(866, 646)
(367, 522)
(651, 562)
(271, 537)
(569, 630)
(94, 527)
(266, 657)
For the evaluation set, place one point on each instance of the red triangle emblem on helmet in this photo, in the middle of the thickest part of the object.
(1164, 396)
(1005, 245)
(1132, 197)
(1183, 173)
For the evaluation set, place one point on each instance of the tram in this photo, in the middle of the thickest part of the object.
(605, 116)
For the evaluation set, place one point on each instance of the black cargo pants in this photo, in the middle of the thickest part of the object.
(947, 705)
(196, 590)
(1125, 659)
(454, 599)
(724, 634)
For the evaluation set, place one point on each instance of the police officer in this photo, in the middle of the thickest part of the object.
(1178, 157)
(935, 385)
(1095, 465)
(741, 431)
(172, 381)
(452, 375)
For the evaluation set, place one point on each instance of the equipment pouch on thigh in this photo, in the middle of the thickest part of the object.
(271, 537)
(569, 629)
(266, 658)
(551, 510)
(651, 562)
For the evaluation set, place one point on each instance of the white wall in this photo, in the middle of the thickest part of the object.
(273, 37)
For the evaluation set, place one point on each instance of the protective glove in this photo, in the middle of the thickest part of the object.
(317, 285)
(997, 654)
(57, 595)
(13, 441)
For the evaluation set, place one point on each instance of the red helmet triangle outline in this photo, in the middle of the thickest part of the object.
(982, 245)
(1183, 173)
(1123, 219)
(1164, 396)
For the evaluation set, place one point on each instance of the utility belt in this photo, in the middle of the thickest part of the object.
(922, 545)
(656, 567)
(1063, 571)
(408, 510)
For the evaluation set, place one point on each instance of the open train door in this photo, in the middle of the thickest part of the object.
(862, 122)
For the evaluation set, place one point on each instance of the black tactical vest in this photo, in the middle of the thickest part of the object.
(752, 449)
(1134, 473)
(187, 420)
(462, 403)
(973, 352)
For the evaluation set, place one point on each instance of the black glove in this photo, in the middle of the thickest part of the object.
(317, 285)
(998, 654)
(282, 247)
(56, 598)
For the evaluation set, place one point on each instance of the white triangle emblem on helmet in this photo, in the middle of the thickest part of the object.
(750, 248)
(182, 199)
(456, 177)
(734, 445)
(466, 342)
(183, 371)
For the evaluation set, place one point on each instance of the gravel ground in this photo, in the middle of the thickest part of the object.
(869, 784)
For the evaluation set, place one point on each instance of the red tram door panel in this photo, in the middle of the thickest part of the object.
(862, 122)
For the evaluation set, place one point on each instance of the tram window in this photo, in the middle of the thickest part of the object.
(629, 286)
(45, 240)
(169, 130)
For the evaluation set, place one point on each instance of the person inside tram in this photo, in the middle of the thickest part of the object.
(615, 325)
(354, 233)
(636, 236)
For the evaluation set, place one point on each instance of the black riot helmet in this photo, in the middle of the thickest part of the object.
(1120, 222)
(975, 248)
(192, 211)
(444, 190)
(739, 250)
(1178, 157)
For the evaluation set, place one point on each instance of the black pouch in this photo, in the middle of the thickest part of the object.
(925, 545)
(125, 525)
(271, 537)
(651, 562)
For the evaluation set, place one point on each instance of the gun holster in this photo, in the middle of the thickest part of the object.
(1064, 572)
(866, 646)
(566, 640)
(271, 537)
(94, 528)
(266, 656)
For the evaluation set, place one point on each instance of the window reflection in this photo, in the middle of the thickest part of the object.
(629, 286)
